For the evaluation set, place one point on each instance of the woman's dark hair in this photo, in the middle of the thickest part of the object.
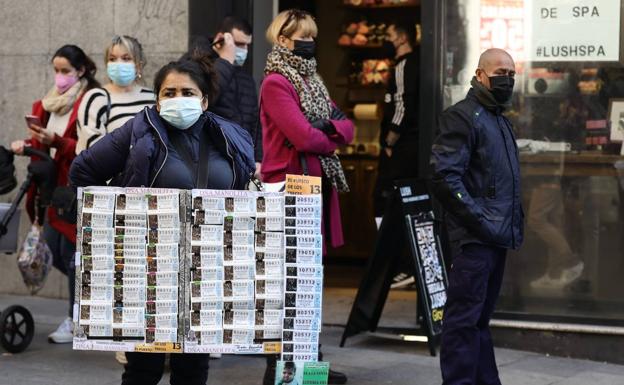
(78, 59)
(199, 67)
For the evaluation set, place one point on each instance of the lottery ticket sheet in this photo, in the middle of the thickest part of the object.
(303, 277)
(199, 271)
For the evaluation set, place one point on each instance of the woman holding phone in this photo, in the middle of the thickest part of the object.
(52, 127)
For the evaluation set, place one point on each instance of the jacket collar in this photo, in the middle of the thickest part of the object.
(472, 95)
(156, 122)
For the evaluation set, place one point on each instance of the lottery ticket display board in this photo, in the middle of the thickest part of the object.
(199, 271)
(128, 270)
(235, 295)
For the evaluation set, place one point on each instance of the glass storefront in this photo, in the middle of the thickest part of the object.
(568, 113)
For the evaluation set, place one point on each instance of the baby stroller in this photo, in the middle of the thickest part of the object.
(17, 326)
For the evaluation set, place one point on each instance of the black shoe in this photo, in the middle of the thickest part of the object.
(336, 377)
(269, 372)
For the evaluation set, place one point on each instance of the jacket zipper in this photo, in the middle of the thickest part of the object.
(164, 144)
(513, 181)
(227, 149)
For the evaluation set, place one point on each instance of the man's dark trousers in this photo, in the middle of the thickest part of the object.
(467, 352)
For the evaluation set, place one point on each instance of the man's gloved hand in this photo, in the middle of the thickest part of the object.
(337, 114)
(324, 125)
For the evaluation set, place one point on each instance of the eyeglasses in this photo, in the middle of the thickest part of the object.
(293, 14)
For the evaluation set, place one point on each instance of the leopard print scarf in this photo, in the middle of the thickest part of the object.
(314, 99)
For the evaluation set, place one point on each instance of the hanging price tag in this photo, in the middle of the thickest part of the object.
(302, 185)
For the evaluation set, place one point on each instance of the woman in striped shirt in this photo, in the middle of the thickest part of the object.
(107, 108)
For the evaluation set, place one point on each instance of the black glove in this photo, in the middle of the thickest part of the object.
(324, 125)
(336, 114)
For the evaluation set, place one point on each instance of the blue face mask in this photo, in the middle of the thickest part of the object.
(241, 56)
(121, 73)
(181, 112)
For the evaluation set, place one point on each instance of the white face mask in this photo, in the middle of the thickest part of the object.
(181, 112)
(241, 56)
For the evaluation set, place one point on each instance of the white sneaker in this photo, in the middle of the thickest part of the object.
(64, 334)
(402, 280)
(567, 277)
(545, 282)
(572, 273)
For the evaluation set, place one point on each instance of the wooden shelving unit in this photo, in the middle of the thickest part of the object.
(406, 4)
(363, 47)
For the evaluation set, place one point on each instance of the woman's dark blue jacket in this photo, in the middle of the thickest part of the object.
(134, 154)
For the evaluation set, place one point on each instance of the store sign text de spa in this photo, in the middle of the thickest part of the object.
(574, 30)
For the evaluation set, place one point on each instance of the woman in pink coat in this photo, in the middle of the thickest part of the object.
(301, 125)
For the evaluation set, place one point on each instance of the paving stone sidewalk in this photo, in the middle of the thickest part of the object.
(367, 360)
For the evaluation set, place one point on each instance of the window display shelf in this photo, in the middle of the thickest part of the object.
(356, 86)
(363, 47)
(407, 4)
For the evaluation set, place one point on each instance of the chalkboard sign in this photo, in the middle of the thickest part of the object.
(432, 281)
(408, 223)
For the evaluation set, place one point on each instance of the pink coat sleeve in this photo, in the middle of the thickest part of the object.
(280, 103)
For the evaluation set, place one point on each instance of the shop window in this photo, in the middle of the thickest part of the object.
(568, 114)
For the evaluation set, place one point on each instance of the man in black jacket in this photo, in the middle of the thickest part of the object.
(238, 98)
(398, 137)
(477, 181)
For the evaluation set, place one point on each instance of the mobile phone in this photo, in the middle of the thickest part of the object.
(32, 120)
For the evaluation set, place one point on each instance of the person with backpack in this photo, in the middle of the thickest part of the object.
(107, 108)
(174, 144)
(52, 126)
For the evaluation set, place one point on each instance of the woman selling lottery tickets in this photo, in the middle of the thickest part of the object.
(151, 150)
(301, 125)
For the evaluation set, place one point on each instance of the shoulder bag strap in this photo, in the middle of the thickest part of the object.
(202, 172)
(304, 164)
(200, 175)
(186, 157)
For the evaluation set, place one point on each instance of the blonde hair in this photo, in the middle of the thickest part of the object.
(286, 23)
(133, 47)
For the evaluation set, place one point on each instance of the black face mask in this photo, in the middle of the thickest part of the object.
(304, 49)
(501, 88)
(388, 48)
